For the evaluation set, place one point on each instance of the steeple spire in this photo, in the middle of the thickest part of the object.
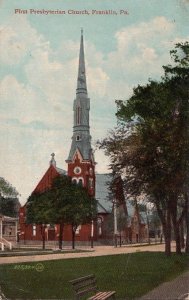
(81, 139)
(81, 164)
(81, 79)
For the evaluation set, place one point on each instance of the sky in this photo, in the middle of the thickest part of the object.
(39, 61)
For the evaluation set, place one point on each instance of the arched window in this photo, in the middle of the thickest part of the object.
(99, 224)
(90, 183)
(34, 230)
(74, 181)
(78, 115)
(80, 182)
(78, 230)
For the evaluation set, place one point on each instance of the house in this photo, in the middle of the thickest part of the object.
(8, 231)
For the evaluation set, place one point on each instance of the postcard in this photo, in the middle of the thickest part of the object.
(64, 64)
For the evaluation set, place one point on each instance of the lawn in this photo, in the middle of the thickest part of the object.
(131, 275)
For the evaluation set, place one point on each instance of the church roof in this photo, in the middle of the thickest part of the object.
(131, 211)
(61, 171)
(84, 147)
(47, 179)
(103, 193)
(103, 196)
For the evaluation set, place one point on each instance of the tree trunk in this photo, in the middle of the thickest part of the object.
(182, 234)
(165, 218)
(177, 237)
(176, 223)
(176, 228)
(61, 227)
(167, 234)
(73, 236)
(43, 236)
(187, 223)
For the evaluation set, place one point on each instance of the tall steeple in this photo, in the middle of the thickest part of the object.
(81, 138)
(81, 79)
(81, 164)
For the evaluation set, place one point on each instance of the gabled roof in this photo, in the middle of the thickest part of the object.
(61, 171)
(83, 146)
(131, 211)
(103, 193)
(48, 177)
(104, 198)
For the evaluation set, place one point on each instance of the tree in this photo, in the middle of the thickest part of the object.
(71, 205)
(151, 146)
(39, 211)
(7, 190)
(9, 207)
(9, 203)
(64, 203)
(81, 210)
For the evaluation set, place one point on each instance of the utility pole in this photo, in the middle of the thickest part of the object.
(92, 233)
(115, 221)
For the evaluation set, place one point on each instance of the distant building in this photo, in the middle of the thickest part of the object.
(8, 229)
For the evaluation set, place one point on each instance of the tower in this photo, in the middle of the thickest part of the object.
(81, 164)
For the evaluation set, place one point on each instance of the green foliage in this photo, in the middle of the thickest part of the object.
(150, 146)
(39, 209)
(9, 203)
(72, 202)
(7, 190)
(9, 207)
(162, 113)
(65, 202)
(151, 141)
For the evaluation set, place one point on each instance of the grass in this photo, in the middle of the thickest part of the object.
(130, 275)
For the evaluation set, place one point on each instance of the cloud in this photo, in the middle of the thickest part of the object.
(98, 81)
(18, 39)
(139, 51)
(136, 36)
(37, 98)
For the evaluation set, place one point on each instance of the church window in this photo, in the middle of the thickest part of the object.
(90, 182)
(77, 170)
(34, 230)
(99, 223)
(78, 138)
(78, 115)
(80, 181)
(78, 229)
(91, 171)
(74, 181)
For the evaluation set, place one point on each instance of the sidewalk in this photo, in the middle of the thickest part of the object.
(177, 289)
(98, 251)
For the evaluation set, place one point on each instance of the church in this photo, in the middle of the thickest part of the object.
(81, 168)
